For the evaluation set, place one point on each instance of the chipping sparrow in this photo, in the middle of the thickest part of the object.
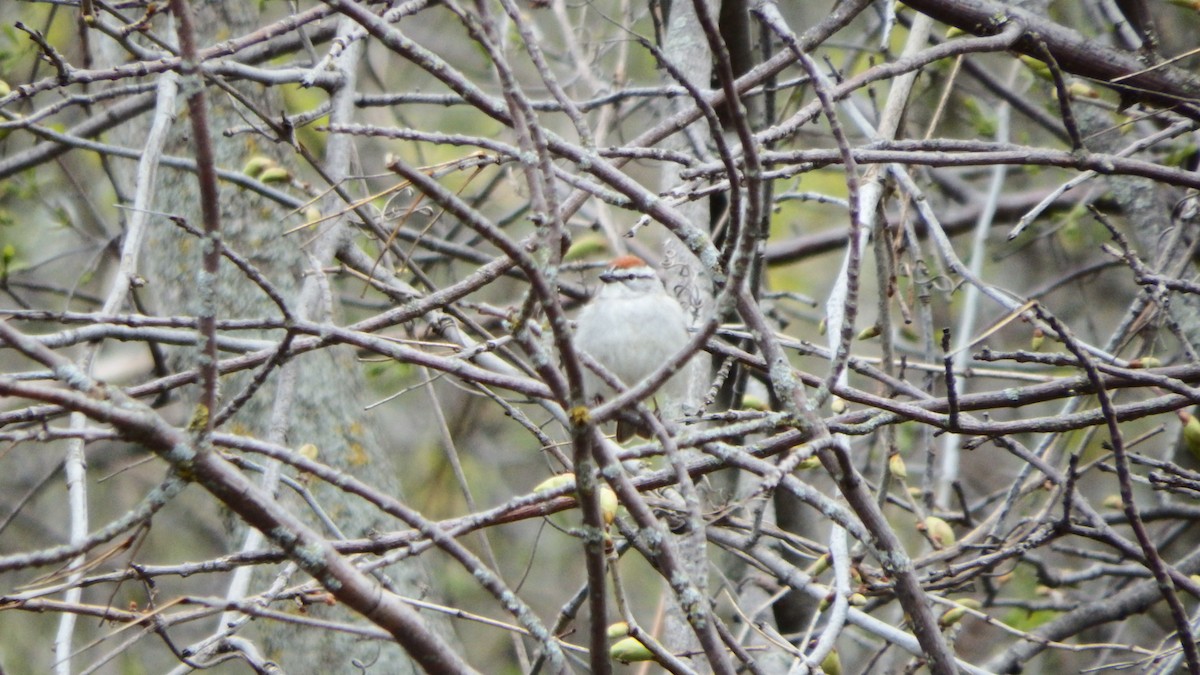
(631, 327)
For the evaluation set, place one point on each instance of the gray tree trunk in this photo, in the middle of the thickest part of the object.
(320, 402)
(685, 46)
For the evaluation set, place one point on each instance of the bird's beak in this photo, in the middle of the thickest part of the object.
(607, 276)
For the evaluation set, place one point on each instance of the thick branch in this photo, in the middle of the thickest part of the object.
(1163, 86)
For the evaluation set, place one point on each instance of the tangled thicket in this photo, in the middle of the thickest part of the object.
(286, 344)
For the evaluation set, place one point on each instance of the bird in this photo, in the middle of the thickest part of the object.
(631, 326)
